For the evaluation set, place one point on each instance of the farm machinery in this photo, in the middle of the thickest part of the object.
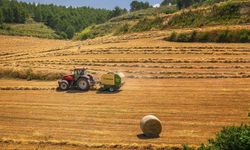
(82, 80)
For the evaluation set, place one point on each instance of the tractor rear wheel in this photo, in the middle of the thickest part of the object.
(64, 85)
(83, 84)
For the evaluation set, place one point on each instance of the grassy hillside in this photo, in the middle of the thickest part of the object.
(28, 29)
(231, 12)
(130, 22)
(226, 13)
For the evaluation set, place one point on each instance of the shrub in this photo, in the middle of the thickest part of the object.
(86, 36)
(186, 147)
(169, 11)
(142, 25)
(182, 37)
(221, 36)
(193, 36)
(226, 13)
(230, 138)
(123, 29)
(29, 74)
(203, 37)
(244, 36)
(187, 19)
(63, 35)
(173, 36)
(147, 24)
(5, 27)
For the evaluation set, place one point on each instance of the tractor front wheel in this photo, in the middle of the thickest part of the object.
(83, 84)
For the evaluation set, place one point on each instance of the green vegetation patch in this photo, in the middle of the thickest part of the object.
(229, 138)
(140, 14)
(29, 29)
(226, 13)
(218, 36)
(91, 32)
(148, 24)
(117, 28)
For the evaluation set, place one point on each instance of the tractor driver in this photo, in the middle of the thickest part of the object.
(79, 72)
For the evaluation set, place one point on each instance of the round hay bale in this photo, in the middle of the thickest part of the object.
(151, 126)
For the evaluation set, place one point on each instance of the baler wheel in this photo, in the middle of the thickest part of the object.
(111, 89)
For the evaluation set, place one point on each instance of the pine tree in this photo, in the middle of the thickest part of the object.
(8, 15)
(184, 3)
(135, 5)
(70, 32)
(1, 17)
(117, 12)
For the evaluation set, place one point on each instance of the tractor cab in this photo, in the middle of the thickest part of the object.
(78, 72)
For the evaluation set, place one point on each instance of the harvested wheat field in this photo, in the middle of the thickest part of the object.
(193, 88)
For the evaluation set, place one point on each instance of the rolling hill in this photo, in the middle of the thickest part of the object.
(33, 29)
(166, 18)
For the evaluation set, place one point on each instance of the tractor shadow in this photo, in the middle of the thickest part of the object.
(98, 91)
(72, 90)
(144, 137)
(75, 91)
(107, 92)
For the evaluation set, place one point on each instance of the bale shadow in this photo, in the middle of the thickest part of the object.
(144, 137)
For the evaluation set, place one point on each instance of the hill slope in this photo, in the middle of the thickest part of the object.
(33, 29)
(224, 13)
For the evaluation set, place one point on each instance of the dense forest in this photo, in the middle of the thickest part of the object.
(64, 20)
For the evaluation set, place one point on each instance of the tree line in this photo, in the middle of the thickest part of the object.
(180, 4)
(64, 20)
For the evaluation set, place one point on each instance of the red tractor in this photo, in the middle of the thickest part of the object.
(79, 79)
